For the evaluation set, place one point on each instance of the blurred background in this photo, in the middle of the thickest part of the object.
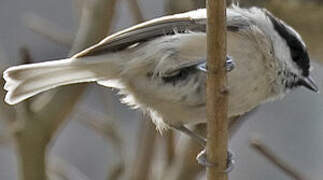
(82, 132)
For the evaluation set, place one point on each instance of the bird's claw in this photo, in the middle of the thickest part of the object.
(229, 65)
(201, 159)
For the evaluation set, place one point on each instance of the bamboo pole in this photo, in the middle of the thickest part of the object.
(217, 93)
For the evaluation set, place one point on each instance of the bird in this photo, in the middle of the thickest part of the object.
(160, 66)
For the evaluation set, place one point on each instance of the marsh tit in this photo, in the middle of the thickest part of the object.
(159, 66)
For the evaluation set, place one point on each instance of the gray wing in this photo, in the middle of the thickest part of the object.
(179, 23)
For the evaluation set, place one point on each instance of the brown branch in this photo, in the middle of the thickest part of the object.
(217, 95)
(274, 159)
(48, 29)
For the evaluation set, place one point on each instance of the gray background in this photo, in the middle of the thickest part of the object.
(292, 127)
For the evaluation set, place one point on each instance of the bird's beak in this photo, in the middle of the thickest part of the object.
(309, 83)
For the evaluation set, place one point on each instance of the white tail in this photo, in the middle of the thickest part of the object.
(25, 81)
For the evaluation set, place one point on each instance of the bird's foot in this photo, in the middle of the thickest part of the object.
(201, 159)
(229, 65)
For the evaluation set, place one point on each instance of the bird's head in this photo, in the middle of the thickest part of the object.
(292, 54)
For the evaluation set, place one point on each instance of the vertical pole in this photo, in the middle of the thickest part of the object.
(217, 92)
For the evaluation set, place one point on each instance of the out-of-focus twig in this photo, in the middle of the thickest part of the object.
(58, 169)
(7, 112)
(29, 137)
(4, 140)
(37, 129)
(25, 55)
(170, 147)
(106, 97)
(105, 126)
(96, 19)
(135, 10)
(184, 165)
(77, 8)
(116, 172)
(274, 159)
(102, 124)
(145, 150)
(48, 29)
(180, 6)
(147, 135)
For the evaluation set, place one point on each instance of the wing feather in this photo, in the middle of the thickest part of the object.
(189, 21)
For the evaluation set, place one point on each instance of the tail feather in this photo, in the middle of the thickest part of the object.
(25, 81)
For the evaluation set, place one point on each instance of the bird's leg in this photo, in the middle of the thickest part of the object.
(201, 157)
(229, 65)
(197, 138)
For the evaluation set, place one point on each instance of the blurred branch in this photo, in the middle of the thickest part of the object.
(59, 169)
(116, 172)
(135, 10)
(96, 19)
(173, 7)
(106, 96)
(25, 55)
(77, 8)
(48, 29)
(147, 135)
(4, 140)
(275, 160)
(170, 146)
(7, 112)
(36, 130)
(184, 164)
(104, 125)
(145, 150)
